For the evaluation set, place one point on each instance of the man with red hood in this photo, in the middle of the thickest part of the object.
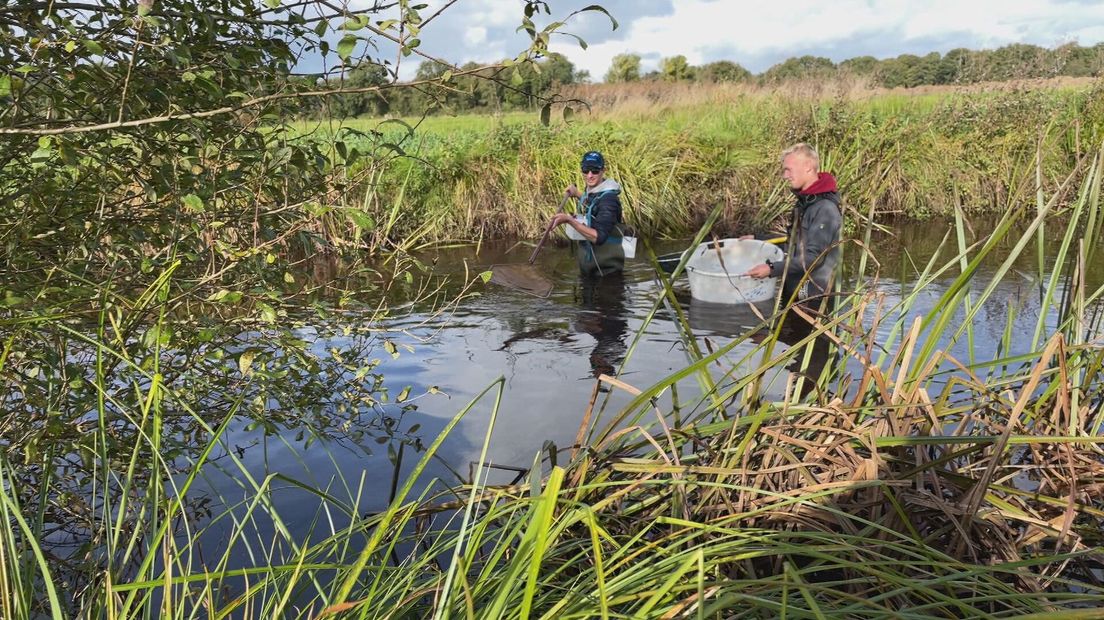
(813, 246)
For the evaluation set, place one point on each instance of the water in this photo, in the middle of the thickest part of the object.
(548, 353)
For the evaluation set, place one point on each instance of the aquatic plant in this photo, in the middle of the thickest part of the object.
(918, 484)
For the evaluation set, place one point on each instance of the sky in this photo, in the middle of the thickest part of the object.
(757, 34)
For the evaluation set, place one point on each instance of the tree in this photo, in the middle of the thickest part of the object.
(624, 68)
(723, 71)
(1074, 60)
(148, 154)
(676, 69)
(957, 65)
(804, 67)
(859, 65)
(1019, 60)
(360, 103)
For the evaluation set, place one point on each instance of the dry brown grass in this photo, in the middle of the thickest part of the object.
(649, 97)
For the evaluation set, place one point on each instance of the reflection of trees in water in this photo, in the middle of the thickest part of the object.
(91, 445)
(602, 315)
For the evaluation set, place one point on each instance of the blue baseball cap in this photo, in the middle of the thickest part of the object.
(593, 159)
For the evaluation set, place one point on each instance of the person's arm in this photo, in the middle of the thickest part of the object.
(820, 230)
(604, 217)
(569, 220)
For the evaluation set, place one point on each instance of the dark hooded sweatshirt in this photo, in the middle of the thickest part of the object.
(602, 207)
(814, 239)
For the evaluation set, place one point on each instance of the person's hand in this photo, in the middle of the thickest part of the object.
(761, 270)
(561, 218)
(746, 237)
(572, 191)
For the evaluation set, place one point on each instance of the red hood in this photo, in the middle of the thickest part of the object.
(825, 183)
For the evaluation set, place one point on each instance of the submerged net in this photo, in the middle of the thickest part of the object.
(523, 277)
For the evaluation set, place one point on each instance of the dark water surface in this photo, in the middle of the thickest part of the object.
(549, 352)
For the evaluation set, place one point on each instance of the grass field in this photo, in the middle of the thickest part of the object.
(680, 150)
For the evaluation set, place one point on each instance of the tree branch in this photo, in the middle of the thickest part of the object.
(71, 129)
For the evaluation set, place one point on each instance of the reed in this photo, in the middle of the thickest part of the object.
(918, 485)
(679, 150)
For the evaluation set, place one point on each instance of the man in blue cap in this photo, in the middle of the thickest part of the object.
(598, 219)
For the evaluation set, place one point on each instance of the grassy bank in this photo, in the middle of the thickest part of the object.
(679, 151)
(919, 485)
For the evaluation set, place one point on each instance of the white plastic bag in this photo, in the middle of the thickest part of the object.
(628, 244)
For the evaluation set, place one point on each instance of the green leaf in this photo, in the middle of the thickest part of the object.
(321, 27)
(268, 313)
(245, 362)
(568, 113)
(272, 4)
(546, 114)
(391, 348)
(595, 7)
(93, 47)
(70, 46)
(355, 23)
(361, 219)
(346, 46)
(486, 276)
(156, 335)
(188, 76)
(193, 203)
(403, 395)
(5, 86)
(288, 278)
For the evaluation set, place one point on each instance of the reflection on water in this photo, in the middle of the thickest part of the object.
(602, 316)
(549, 351)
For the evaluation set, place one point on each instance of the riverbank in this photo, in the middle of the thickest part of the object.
(895, 153)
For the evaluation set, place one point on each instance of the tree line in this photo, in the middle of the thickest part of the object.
(526, 87)
(435, 86)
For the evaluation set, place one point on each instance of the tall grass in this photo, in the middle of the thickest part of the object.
(680, 150)
(906, 483)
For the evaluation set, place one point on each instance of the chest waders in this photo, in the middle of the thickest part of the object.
(609, 257)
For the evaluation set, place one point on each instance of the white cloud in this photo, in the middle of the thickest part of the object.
(476, 35)
(764, 33)
(760, 34)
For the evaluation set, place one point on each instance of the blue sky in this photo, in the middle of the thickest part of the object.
(758, 34)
